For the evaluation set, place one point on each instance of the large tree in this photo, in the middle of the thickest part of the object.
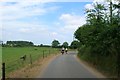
(95, 16)
(19, 43)
(55, 43)
(75, 44)
(65, 44)
(100, 37)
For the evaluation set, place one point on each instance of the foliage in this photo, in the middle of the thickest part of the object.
(19, 43)
(55, 43)
(100, 37)
(75, 44)
(65, 44)
(42, 45)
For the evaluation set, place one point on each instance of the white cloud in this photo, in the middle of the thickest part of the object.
(98, 1)
(27, 0)
(72, 22)
(25, 31)
(14, 29)
(43, 1)
(23, 9)
(105, 1)
(89, 6)
(54, 33)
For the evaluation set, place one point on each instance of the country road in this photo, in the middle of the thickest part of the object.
(66, 66)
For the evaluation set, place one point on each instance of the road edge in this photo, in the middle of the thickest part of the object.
(90, 68)
(45, 65)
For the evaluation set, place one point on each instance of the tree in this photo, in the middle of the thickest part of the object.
(95, 16)
(65, 44)
(19, 43)
(74, 44)
(55, 43)
(100, 37)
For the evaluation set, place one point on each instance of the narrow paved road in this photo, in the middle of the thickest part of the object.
(66, 66)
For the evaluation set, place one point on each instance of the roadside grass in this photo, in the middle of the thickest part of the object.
(11, 56)
(105, 64)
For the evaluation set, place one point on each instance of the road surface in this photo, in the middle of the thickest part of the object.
(66, 66)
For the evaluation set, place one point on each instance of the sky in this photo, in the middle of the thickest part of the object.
(41, 21)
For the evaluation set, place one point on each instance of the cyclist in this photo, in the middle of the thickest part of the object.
(62, 50)
(66, 50)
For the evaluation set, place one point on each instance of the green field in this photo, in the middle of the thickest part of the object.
(11, 56)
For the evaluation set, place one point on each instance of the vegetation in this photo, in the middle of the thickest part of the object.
(42, 45)
(75, 44)
(18, 44)
(55, 43)
(100, 38)
(65, 44)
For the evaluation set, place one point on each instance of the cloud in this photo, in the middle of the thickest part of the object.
(23, 9)
(89, 6)
(44, 1)
(98, 1)
(20, 10)
(16, 27)
(54, 33)
(105, 1)
(26, 31)
(72, 22)
(68, 23)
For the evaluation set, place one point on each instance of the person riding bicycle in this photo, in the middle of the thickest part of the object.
(66, 50)
(62, 50)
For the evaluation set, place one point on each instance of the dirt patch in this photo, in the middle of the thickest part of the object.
(91, 68)
(31, 71)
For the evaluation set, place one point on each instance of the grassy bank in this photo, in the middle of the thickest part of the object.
(105, 64)
(11, 56)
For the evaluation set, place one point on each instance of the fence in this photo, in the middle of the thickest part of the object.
(3, 71)
(23, 61)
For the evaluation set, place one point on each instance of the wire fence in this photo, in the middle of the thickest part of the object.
(0, 70)
(25, 60)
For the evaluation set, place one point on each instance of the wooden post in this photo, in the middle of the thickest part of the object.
(3, 71)
(46, 54)
(118, 65)
(49, 52)
(43, 53)
(30, 59)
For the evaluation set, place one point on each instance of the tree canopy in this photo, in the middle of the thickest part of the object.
(100, 36)
(19, 43)
(55, 43)
(65, 44)
(75, 44)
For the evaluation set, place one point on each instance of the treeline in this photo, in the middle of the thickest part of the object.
(100, 38)
(55, 44)
(18, 44)
(74, 44)
(42, 45)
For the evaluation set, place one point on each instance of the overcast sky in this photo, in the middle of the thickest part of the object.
(41, 22)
